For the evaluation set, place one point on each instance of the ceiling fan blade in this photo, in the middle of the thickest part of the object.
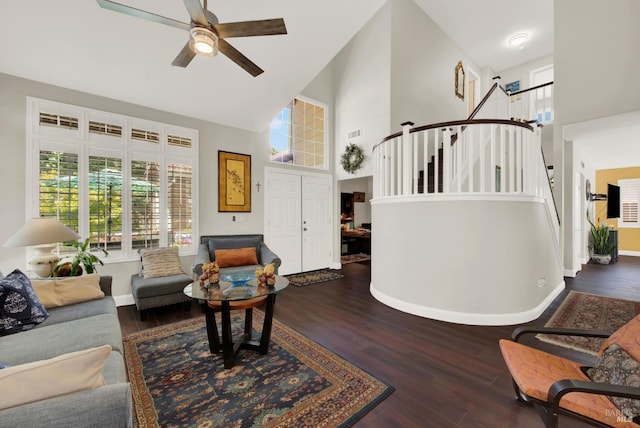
(265, 27)
(237, 57)
(211, 17)
(196, 12)
(184, 57)
(132, 11)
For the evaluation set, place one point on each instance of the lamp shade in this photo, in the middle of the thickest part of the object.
(38, 231)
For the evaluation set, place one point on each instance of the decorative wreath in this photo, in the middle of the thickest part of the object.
(352, 158)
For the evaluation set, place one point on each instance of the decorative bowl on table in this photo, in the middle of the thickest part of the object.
(238, 279)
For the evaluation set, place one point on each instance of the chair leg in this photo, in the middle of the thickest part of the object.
(186, 306)
(143, 314)
(519, 396)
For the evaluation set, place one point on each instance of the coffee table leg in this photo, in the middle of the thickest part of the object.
(212, 329)
(266, 327)
(227, 338)
(248, 324)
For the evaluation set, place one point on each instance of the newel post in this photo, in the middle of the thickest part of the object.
(406, 158)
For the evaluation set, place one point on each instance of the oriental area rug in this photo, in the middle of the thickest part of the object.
(589, 312)
(313, 277)
(176, 382)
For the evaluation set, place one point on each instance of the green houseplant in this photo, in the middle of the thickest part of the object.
(600, 242)
(83, 260)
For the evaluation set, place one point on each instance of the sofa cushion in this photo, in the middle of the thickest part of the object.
(67, 291)
(53, 340)
(160, 286)
(67, 373)
(236, 257)
(617, 367)
(61, 314)
(160, 262)
(224, 242)
(20, 308)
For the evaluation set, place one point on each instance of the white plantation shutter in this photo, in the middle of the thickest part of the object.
(629, 201)
(124, 183)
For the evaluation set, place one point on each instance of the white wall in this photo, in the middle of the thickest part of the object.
(212, 137)
(459, 267)
(362, 90)
(423, 61)
(595, 59)
(522, 72)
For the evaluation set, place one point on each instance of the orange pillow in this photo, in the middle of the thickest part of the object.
(236, 257)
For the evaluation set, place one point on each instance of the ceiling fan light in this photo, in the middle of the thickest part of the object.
(203, 41)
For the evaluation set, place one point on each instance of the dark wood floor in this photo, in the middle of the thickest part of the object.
(445, 375)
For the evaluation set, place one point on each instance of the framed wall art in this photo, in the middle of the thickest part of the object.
(460, 80)
(234, 182)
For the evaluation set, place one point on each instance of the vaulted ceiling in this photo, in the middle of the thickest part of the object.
(78, 45)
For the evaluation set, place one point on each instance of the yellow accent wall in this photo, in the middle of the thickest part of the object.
(628, 238)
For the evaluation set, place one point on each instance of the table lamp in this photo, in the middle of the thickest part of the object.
(42, 233)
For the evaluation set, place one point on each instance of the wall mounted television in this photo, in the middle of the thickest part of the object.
(613, 201)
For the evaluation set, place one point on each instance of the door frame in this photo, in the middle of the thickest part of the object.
(301, 173)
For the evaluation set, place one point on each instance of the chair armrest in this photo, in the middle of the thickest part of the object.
(268, 256)
(201, 258)
(562, 387)
(521, 331)
(105, 284)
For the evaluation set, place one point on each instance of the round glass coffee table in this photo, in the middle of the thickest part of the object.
(224, 297)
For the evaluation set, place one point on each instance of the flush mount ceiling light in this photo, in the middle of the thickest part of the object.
(203, 41)
(518, 39)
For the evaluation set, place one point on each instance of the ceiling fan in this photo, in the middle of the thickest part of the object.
(207, 34)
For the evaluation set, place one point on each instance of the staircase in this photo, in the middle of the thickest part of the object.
(430, 174)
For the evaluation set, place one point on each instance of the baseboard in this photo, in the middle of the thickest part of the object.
(629, 253)
(569, 273)
(469, 318)
(125, 300)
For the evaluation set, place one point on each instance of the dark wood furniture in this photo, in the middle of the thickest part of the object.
(357, 240)
(224, 297)
(613, 241)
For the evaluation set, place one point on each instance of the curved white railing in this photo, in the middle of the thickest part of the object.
(467, 229)
(481, 156)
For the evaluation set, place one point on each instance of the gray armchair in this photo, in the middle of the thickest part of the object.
(210, 243)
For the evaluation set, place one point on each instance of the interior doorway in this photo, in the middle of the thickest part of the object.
(299, 219)
(473, 90)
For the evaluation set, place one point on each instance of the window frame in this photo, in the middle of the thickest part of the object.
(326, 164)
(85, 144)
(624, 189)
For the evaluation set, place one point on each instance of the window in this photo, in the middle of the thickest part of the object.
(629, 201)
(542, 99)
(298, 134)
(124, 183)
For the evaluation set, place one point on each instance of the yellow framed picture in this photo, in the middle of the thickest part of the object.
(234, 182)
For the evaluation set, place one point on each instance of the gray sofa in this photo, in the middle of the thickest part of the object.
(210, 243)
(67, 329)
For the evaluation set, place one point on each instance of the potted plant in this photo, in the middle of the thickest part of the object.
(83, 260)
(600, 243)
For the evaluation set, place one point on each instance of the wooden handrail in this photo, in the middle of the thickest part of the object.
(522, 91)
(459, 123)
(483, 101)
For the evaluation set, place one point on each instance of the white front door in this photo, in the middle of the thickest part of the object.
(283, 226)
(316, 222)
(299, 220)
